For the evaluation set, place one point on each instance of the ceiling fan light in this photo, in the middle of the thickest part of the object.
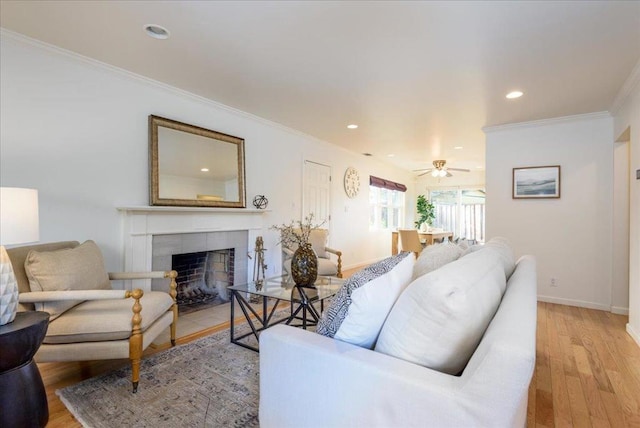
(435, 173)
(442, 173)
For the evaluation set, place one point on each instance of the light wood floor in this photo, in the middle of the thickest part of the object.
(587, 371)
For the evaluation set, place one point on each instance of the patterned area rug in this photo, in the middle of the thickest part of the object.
(206, 383)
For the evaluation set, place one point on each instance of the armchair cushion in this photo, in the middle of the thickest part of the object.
(102, 320)
(79, 268)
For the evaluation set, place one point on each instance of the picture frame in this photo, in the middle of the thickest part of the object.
(536, 182)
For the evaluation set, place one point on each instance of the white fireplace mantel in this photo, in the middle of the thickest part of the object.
(141, 223)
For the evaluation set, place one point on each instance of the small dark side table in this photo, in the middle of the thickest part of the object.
(22, 396)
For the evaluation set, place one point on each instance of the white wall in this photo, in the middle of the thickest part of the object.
(571, 237)
(627, 116)
(76, 130)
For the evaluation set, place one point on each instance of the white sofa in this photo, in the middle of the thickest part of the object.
(309, 380)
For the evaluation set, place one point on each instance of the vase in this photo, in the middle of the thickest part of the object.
(8, 289)
(304, 265)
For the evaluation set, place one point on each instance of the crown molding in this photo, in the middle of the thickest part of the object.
(546, 122)
(627, 89)
(21, 38)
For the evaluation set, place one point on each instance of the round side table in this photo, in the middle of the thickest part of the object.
(22, 396)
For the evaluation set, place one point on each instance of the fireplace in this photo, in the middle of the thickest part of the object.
(207, 263)
(151, 235)
(203, 278)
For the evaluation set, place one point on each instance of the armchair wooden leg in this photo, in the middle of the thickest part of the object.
(339, 274)
(135, 341)
(173, 293)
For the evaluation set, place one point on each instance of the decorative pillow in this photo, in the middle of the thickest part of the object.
(371, 304)
(79, 268)
(362, 325)
(440, 318)
(435, 256)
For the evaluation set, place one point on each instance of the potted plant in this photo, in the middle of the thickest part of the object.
(426, 212)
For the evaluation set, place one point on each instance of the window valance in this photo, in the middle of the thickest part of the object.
(386, 184)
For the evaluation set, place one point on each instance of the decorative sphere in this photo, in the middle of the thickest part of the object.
(260, 202)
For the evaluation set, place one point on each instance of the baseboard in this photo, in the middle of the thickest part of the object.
(572, 302)
(619, 310)
(634, 334)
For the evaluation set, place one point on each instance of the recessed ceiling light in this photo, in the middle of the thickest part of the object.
(514, 94)
(458, 147)
(204, 169)
(156, 31)
(390, 155)
(480, 167)
(352, 126)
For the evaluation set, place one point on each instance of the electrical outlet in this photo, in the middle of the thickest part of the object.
(553, 282)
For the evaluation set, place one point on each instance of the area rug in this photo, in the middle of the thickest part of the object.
(206, 383)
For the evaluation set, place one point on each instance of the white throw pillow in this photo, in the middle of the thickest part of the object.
(503, 247)
(440, 318)
(333, 317)
(435, 256)
(371, 304)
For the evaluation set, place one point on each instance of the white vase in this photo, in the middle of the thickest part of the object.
(8, 289)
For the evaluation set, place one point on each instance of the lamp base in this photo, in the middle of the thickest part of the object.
(8, 289)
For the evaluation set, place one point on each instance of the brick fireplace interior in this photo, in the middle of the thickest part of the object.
(203, 278)
(207, 263)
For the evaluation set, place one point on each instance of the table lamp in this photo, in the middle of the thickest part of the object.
(18, 225)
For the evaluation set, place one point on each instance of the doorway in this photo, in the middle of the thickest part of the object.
(316, 198)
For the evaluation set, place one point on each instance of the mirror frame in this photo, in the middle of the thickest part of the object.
(154, 180)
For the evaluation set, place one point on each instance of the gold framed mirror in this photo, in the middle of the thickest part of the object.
(194, 167)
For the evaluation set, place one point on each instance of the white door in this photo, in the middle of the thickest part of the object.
(317, 193)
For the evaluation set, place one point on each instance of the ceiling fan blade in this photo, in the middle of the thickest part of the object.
(423, 169)
(449, 174)
(459, 169)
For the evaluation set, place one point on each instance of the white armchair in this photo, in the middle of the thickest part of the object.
(90, 324)
(326, 266)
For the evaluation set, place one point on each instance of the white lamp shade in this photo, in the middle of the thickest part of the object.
(19, 222)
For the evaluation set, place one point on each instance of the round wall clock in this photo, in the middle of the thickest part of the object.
(351, 182)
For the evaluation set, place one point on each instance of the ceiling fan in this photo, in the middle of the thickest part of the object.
(439, 169)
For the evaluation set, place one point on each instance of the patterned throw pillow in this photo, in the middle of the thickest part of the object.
(333, 316)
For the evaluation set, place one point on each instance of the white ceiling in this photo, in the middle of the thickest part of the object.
(419, 78)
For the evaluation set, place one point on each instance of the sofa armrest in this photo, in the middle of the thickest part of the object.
(310, 380)
(117, 276)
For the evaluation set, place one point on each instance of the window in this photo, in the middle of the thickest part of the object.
(386, 200)
(461, 211)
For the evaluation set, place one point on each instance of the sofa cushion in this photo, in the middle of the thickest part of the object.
(435, 256)
(79, 268)
(440, 318)
(80, 323)
(365, 299)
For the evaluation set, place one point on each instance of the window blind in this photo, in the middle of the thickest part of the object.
(386, 184)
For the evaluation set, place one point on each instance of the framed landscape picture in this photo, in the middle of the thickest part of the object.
(536, 182)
